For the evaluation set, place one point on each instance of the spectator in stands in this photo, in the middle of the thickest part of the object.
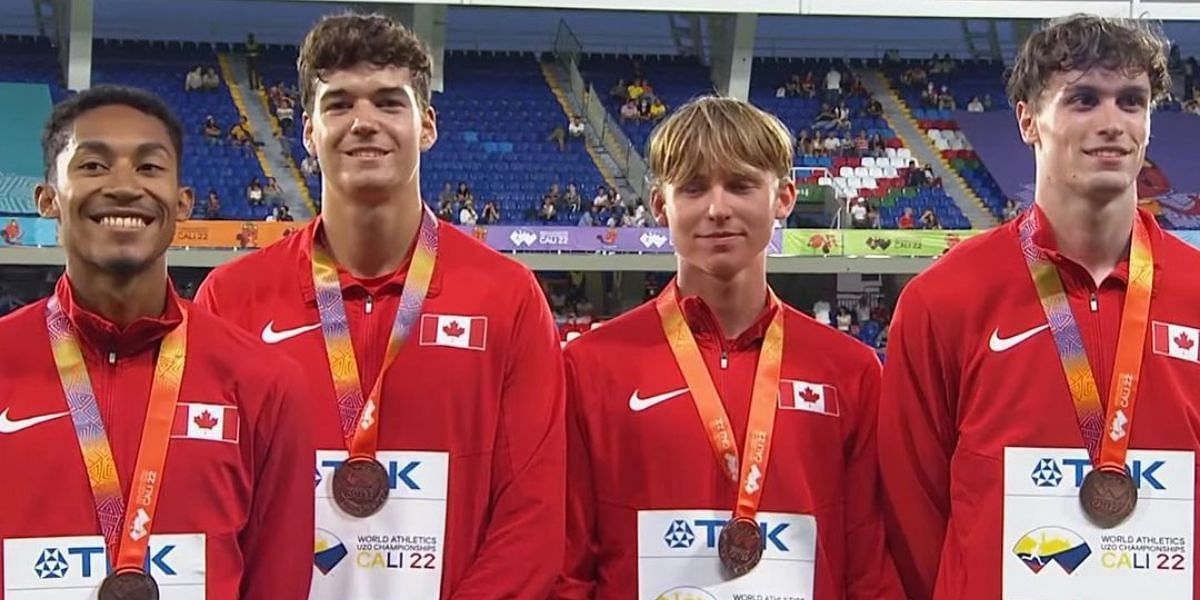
(640, 217)
(862, 145)
(818, 145)
(467, 215)
(619, 92)
(491, 214)
(283, 213)
(626, 217)
(240, 134)
(1011, 210)
(975, 105)
(804, 143)
(571, 199)
(252, 50)
(945, 99)
(781, 91)
(211, 80)
(877, 147)
(588, 218)
(859, 89)
(874, 220)
(1190, 69)
(931, 178)
(310, 167)
(548, 212)
(629, 111)
(211, 130)
(844, 319)
(842, 115)
(194, 81)
(614, 198)
(272, 192)
(929, 96)
(286, 113)
(833, 145)
(559, 136)
(833, 85)
(808, 85)
(212, 206)
(916, 175)
(658, 110)
(846, 146)
(858, 213)
(906, 220)
(821, 310)
(576, 128)
(929, 220)
(464, 195)
(635, 90)
(826, 119)
(446, 196)
(644, 104)
(445, 212)
(873, 108)
(254, 193)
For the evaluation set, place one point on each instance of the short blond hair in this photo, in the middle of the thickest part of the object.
(713, 135)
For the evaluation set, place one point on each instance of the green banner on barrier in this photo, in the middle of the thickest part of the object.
(812, 242)
(871, 242)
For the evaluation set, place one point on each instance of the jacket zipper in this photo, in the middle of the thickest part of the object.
(103, 390)
(368, 358)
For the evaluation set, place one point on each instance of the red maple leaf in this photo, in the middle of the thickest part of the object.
(205, 420)
(809, 396)
(1183, 341)
(453, 329)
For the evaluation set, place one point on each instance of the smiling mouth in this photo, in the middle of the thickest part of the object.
(1107, 153)
(123, 223)
(368, 153)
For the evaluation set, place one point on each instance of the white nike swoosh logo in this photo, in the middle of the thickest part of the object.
(10, 426)
(999, 344)
(270, 336)
(639, 404)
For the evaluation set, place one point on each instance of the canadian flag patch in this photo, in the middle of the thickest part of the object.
(1177, 341)
(811, 397)
(455, 331)
(213, 422)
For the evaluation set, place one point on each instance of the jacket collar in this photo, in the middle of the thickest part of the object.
(98, 336)
(392, 283)
(1074, 275)
(707, 329)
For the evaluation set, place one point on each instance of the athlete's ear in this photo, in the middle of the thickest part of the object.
(658, 204)
(1027, 123)
(45, 196)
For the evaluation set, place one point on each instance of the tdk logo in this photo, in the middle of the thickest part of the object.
(90, 561)
(1048, 474)
(680, 533)
(51, 564)
(397, 474)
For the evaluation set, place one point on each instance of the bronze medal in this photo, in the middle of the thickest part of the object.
(360, 486)
(740, 546)
(1108, 497)
(128, 585)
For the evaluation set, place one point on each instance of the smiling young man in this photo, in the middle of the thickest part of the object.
(129, 420)
(1038, 420)
(737, 454)
(435, 360)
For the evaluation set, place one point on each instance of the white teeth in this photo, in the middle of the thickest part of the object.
(123, 222)
(366, 154)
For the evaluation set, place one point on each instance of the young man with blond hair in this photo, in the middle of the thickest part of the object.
(721, 442)
(434, 360)
(1014, 462)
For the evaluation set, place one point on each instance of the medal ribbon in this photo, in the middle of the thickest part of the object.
(752, 473)
(360, 420)
(1105, 436)
(129, 545)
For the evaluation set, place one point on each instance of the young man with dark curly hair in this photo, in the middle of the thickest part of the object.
(1014, 462)
(436, 362)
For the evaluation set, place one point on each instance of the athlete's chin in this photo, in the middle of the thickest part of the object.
(368, 186)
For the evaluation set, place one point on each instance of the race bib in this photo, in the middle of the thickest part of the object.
(72, 568)
(395, 553)
(678, 560)
(1051, 550)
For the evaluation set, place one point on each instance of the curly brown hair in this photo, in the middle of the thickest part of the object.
(1083, 42)
(341, 41)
